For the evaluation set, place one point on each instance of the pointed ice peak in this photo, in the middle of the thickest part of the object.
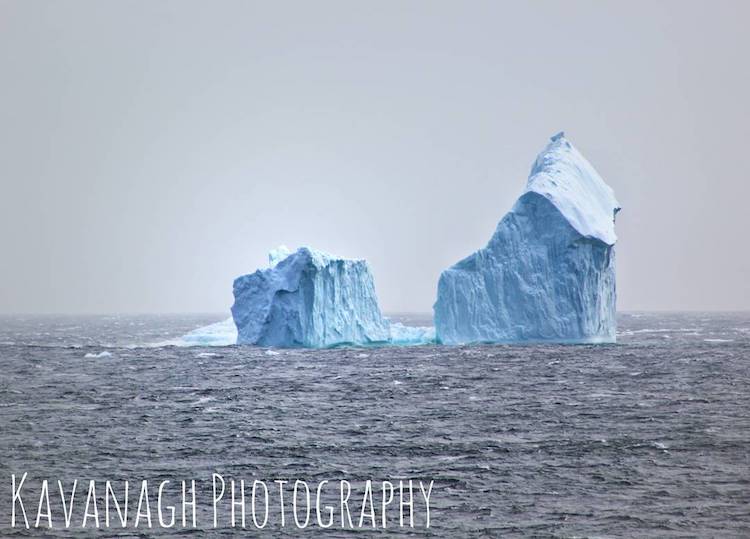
(562, 175)
(277, 255)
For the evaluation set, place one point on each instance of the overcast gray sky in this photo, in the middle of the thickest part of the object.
(150, 152)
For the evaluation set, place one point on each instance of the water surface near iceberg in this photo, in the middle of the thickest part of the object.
(522, 441)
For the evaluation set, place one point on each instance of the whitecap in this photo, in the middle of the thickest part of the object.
(91, 355)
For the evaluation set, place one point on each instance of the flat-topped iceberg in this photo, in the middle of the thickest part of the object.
(308, 299)
(548, 272)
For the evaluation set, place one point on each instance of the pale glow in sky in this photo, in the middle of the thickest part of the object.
(150, 152)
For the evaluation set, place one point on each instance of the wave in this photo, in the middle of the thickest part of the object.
(92, 355)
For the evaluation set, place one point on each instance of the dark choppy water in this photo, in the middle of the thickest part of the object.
(647, 438)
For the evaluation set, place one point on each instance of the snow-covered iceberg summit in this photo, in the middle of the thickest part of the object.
(308, 299)
(548, 272)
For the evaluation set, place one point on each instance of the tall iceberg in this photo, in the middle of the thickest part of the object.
(308, 299)
(548, 272)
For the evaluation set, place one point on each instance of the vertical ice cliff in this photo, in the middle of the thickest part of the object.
(548, 272)
(308, 299)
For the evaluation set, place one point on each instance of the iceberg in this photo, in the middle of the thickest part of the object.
(548, 272)
(308, 299)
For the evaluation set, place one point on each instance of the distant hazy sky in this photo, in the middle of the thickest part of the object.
(152, 151)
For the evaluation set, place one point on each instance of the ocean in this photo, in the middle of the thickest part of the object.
(646, 438)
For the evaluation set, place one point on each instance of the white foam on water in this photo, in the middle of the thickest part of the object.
(91, 355)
